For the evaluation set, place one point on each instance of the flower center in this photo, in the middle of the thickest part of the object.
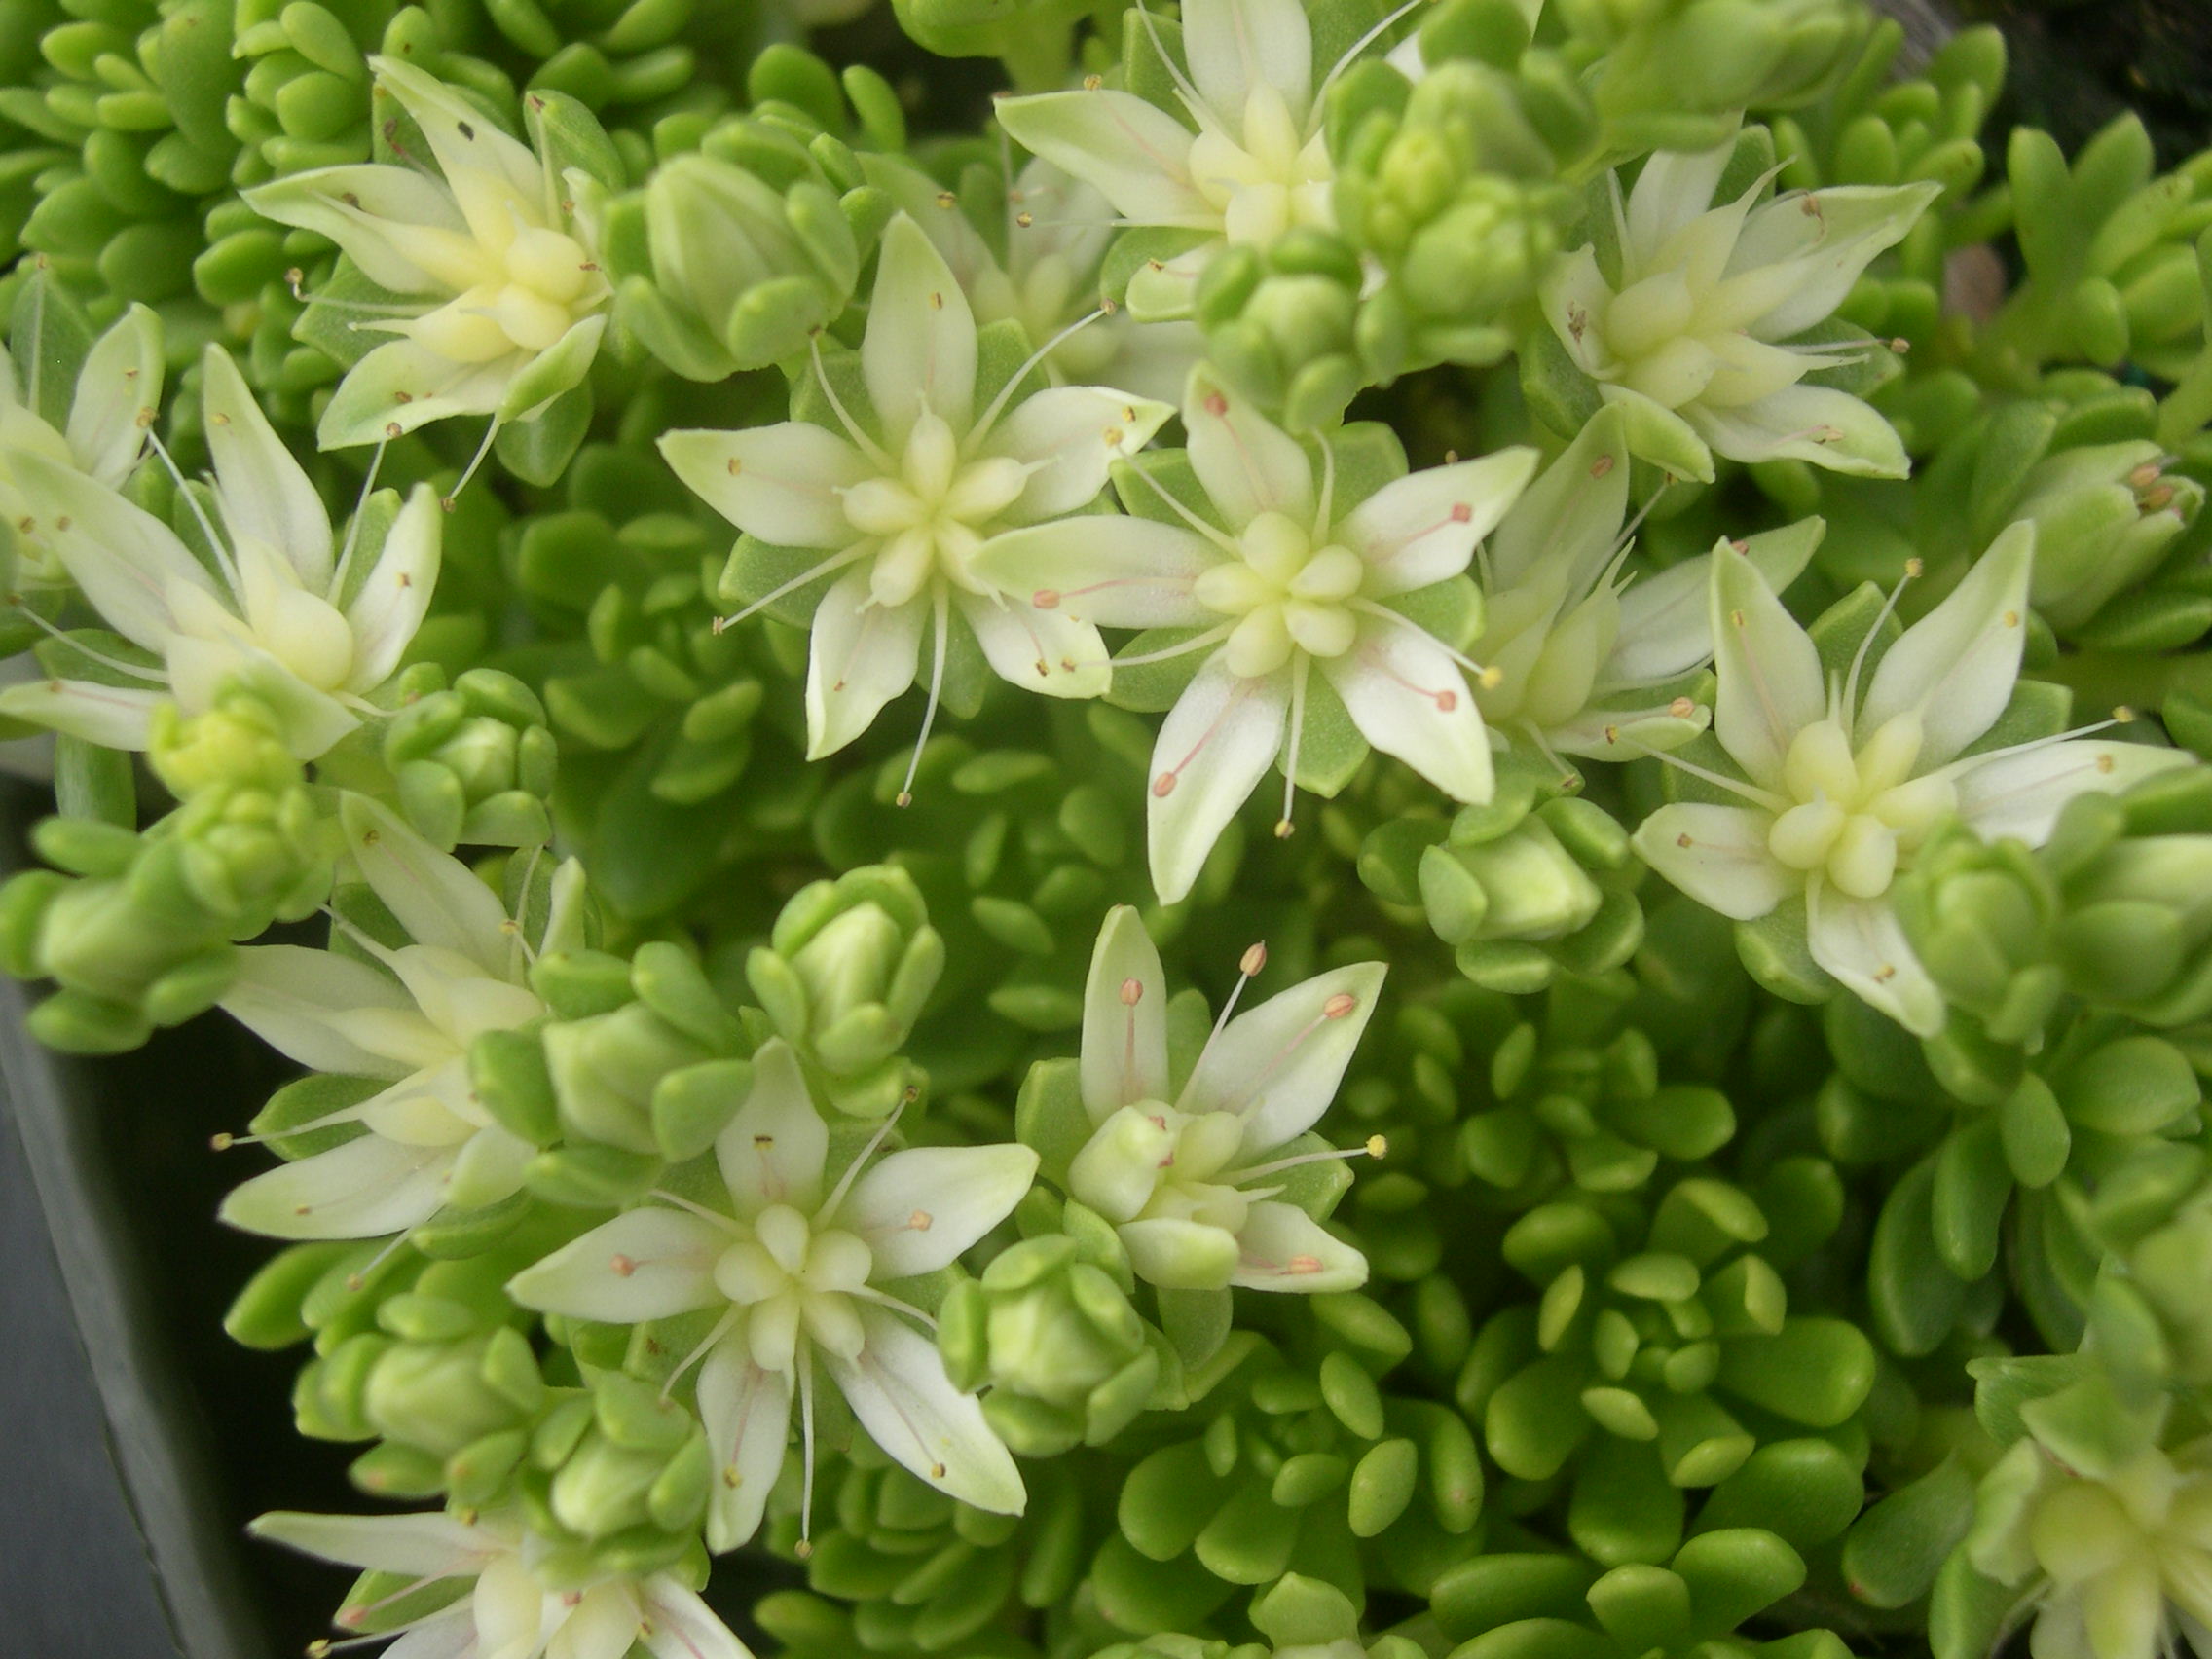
(1151, 1162)
(788, 1279)
(1286, 595)
(1546, 664)
(1857, 810)
(527, 296)
(1271, 181)
(928, 514)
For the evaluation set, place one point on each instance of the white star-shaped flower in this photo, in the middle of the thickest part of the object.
(796, 1269)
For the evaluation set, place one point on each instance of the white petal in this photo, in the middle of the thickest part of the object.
(119, 390)
(1246, 462)
(379, 215)
(488, 1168)
(1125, 1035)
(1136, 156)
(648, 1263)
(466, 145)
(1718, 856)
(262, 490)
(364, 1189)
(603, 1625)
(1105, 568)
(435, 896)
(1574, 296)
(1666, 622)
(1770, 673)
(1071, 434)
(403, 385)
(899, 1391)
(1235, 46)
(1815, 245)
(918, 1209)
(1215, 746)
(1422, 528)
(1955, 667)
(449, 1634)
(285, 994)
(1284, 1248)
(1814, 423)
(122, 559)
(779, 482)
(861, 655)
(1674, 188)
(1409, 699)
(114, 716)
(748, 1415)
(1281, 1063)
(1039, 650)
(919, 351)
(429, 1545)
(1572, 514)
(1858, 941)
(1176, 1254)
(311, 719)
(395, 594)
(772, 1152)
(682, 1626)
(2022, 794)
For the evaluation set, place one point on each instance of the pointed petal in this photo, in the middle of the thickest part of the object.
(375, 214)
(1236, 46)
(1124, 1018)
(919, 352)
(262, 491)
(1674, 188)
(1573, 294)
(2022, 794)
(1215, 746)
(1284, 1248)
(682, 1626)
(1666, 623)
(122, 559)
(1409, 699)
(435, 896)
(603, 1625)
(1248, 464)
(114, 716)
(862, 654)
(1281, 1063)
(488, 1168)
(777, 483)
(1718, 856)
(649, 1263)
(119, 392)
(1104, 568)
(918, 1209)
(1814, 423)
(746, 1413)
(772, 1152)
(464, 142)
(401, 385)
(1770, 673)
(1808, 249)
(899, 1391)
(1176, 1254)
(311, 720)
(450, 1634)
(1039, 650)
(1071, 434)
(1571, 515)
(429, 1545)
(1859, 942)
(285, 994)
(363, 1189)
(1422, 528)
(1956, 667)
(1136, 156)
(395, 594)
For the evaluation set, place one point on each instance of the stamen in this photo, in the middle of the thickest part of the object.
(353, 530)
(806, 1451)
(1300, 666)
(867, 445)
(136, 671)
(1164, 784)
(1374, 1146)
(835, 561)
(1751, 792)
(853, 1170)
(1357, 47)
(1212, 532)
(997, 406)
(1912, 569)
(728, 1224)
(490, 431)
(1324, 509)
(721, 1329)
(1133, 993)
(361, 1276)
(1197, 643)
(884, 1298)
(941, 606)
(216, 543)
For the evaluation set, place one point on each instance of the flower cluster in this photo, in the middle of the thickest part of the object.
(741, 608)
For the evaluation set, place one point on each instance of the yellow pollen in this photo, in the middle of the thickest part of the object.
(1252, 961)
(1377, 1145)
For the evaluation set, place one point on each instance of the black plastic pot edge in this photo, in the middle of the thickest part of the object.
(153, 1440)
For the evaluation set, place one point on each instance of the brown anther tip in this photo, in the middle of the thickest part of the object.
(945, 199)
(222, 1140)
(1612, 734)
(2011, 618)
(735, 467)
(1377, 1145)
(804, 1549)
(355, 1281)
(1283, 829)
(1133, 992)
(905, 797)
(1091, 82)
(1216, 404)
(2122, 713)
(1304, 1265)
(621, 1267)
(1046, 598)
(447, 503)
(1913, 568)
(1600, 467)
(1681, 707)
(1163, 786)
(719, 624)
(936, 1471)
(1683, 841)
(1885, 974)
(1741, 547)
(391, 428)
(1339, 1005)
(920, 1221)
(1447, 701)
(1902, 346)
(2158, 499)
(317, 1648)
(2105, 762)
(1461, 512)
(1253, 960)
(1024, 220)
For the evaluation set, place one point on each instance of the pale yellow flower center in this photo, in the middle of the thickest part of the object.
(1286, 595)
(791, 1277)
(1857, 809)
(526, 296)
(1270, 182)
(932, 512)
(1154, 1163)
